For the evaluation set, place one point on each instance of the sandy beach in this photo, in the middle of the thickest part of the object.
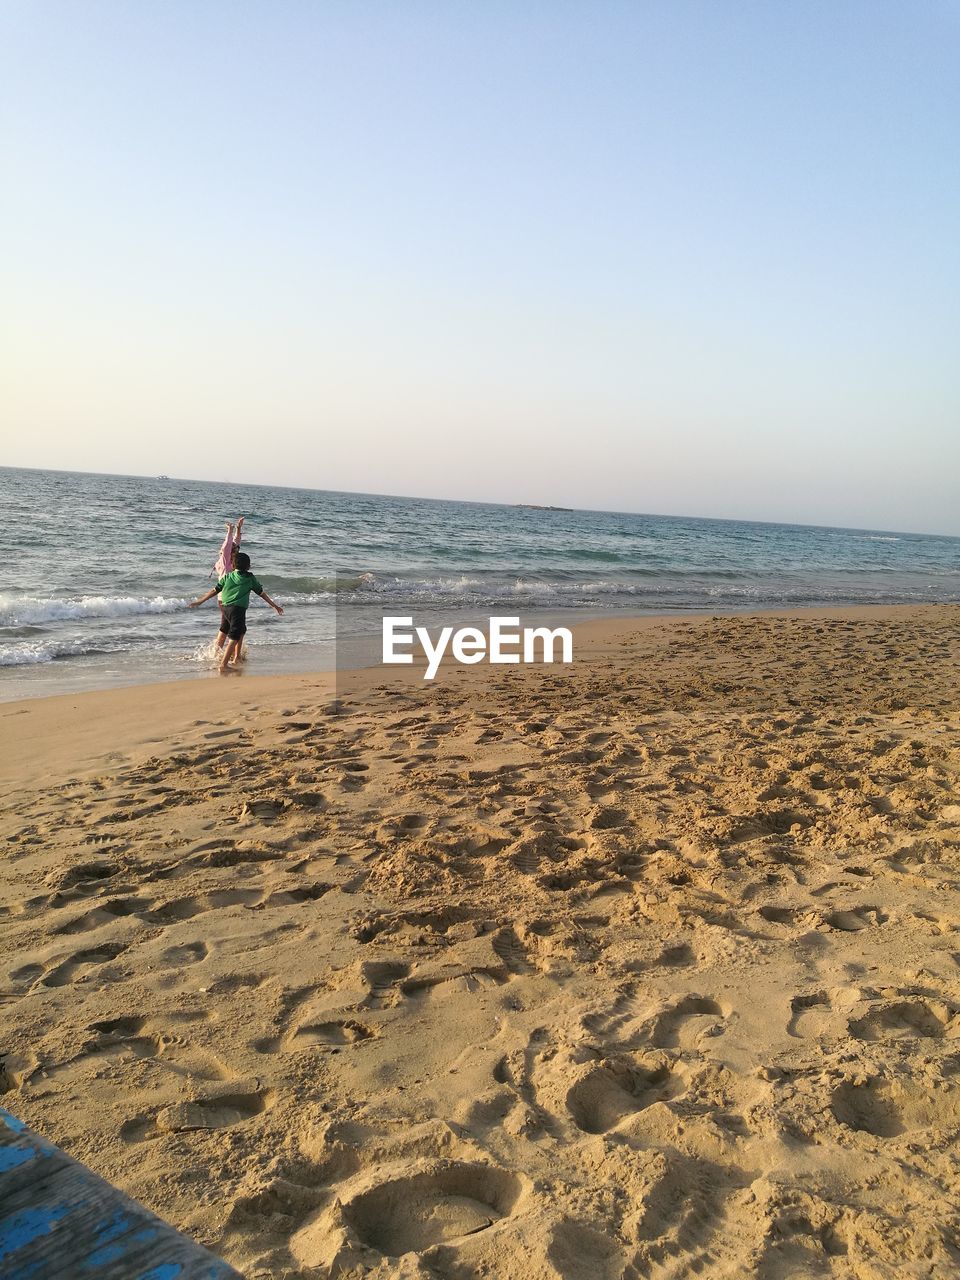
(648, 967)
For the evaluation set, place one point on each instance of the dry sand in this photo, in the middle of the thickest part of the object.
(647, 969)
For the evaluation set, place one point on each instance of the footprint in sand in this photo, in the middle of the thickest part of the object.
(116, 1041)
(908, 1020)
(85, 877)
(444, 1203)
(334, 1034)
(309, 800)
(300, 726)
(888, 1108)
(808, 1014)
(226, 853)
(444, 980)
(78, 965)
(180, 909)
(511, 951)
(615, 1089)
(854, 920)
(411, 926)
(184, 953)
(297, 894)
(526, 857)
(221, 1111)
(611, 889)
(26, 973)
(577, 1249)
(105, 913)
(781, 915)
(690, 1021)
(129, 1039)
(623, 1023)
(382, 979)
(263, 809)
(328, 1034)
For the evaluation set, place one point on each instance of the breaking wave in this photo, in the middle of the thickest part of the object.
(18, 611)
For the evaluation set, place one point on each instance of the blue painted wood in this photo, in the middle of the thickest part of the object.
(59, 1221)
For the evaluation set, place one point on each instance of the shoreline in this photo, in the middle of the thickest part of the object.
(81, 676)
(41, 734)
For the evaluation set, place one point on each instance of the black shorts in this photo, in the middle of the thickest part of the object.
(233, 621)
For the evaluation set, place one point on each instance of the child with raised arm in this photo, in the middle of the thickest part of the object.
(234, 590)
(224, 564)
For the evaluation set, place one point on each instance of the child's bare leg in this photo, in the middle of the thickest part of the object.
(231, 650)
(221, 635)
(238, 656)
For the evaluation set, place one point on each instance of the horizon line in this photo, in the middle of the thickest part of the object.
(483, 502)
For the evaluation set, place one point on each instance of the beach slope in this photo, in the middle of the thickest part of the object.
(646, 967)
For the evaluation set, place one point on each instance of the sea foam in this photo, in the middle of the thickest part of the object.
(24, 610)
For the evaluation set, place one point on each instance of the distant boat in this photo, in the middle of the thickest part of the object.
(163, 477)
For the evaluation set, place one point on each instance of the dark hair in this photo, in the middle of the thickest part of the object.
(242, 561)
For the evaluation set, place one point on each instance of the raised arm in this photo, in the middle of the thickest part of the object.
(203, 599)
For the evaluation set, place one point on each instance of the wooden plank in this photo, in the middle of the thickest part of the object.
(59, 1221)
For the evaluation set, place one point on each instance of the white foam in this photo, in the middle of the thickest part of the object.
(20, 610)
(31, 655)
(206, 652)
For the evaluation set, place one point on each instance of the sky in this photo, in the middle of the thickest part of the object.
(684, 257)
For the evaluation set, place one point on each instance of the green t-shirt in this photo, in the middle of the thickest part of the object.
(236, 586)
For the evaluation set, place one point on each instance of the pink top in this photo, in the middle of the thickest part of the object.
(225, 559)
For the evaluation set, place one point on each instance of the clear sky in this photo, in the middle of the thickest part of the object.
(684, 257)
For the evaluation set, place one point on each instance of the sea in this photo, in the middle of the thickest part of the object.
(98, 570)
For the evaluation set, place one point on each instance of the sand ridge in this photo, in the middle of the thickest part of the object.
(647, 969)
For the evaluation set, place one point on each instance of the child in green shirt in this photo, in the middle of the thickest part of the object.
(234, 590)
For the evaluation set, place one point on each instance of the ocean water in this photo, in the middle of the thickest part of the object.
(98, 570)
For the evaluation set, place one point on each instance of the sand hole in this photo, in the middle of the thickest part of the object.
(26, 973)
(609, 819)
(429, 1208)
(904, 1019)
(298, 894)
(613, 1090)
(185, 953)
(867, 1108)
(118, 1027)
(854, 921)
(887, 1108)
(778, 915)
(691, 1018)
(85, 872)
(578, 1250)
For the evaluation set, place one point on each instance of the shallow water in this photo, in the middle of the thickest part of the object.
(99, 570)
